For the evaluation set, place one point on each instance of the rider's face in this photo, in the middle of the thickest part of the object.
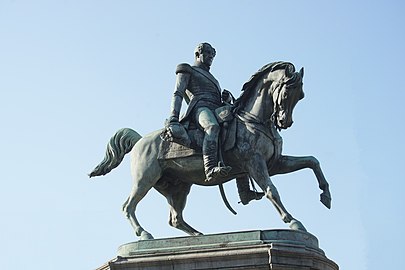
(206, 57)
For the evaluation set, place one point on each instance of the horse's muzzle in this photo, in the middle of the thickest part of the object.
(284, 122)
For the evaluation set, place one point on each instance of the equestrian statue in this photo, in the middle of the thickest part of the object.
(218, 139)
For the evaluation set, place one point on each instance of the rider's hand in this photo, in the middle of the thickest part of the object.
(173, 119)
(226, 96)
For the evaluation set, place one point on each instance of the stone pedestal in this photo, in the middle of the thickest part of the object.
(270, 249)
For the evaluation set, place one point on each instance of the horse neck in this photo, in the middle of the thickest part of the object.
(260, 103)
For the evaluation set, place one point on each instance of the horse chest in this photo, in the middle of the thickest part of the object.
(253, 142)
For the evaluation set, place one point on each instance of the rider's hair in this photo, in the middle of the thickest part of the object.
(203, 47)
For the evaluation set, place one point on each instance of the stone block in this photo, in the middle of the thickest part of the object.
(269, 249)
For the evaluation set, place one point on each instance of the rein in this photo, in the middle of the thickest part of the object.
(257, 124)
(277, 90)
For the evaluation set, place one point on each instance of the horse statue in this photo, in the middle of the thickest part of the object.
(264, 108)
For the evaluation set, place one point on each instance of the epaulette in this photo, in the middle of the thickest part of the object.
(184, 68)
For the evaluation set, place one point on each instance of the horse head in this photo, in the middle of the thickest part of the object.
(271, 94)
(286, 93)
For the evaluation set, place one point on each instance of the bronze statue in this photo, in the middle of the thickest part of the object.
(251, 144)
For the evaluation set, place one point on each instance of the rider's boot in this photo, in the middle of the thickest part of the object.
(245, 194)
(213, 168)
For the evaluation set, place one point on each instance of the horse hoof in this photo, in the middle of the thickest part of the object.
(326, 200)
(145, 236)
(297, 226)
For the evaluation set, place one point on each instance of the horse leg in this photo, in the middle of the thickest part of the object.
(177, 204)
(129, 208)
(176, 196)
(258, 170)
(144, 179)
(288, 164)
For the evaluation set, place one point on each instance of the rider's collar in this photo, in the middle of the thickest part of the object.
(202, 66)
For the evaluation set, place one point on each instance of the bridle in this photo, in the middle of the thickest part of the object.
(277, 91)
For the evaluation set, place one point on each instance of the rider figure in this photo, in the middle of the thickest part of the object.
(203, 94)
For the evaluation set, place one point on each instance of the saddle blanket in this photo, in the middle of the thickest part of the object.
(169, 150)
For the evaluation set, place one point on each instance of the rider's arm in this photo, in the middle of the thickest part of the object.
(182, 79)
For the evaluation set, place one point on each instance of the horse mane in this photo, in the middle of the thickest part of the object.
(255, 78)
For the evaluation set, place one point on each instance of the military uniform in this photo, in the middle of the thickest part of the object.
(202, 89)
(203, 95)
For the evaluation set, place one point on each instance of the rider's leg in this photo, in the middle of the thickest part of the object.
(208, 122)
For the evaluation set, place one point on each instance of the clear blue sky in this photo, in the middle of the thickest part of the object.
(74, 72)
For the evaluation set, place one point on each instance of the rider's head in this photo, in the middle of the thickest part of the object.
(204, 54)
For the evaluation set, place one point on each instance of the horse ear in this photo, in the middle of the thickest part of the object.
(302, 72)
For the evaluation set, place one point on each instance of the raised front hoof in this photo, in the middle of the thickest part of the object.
(146, 236)
(297, 226)
(326, 200)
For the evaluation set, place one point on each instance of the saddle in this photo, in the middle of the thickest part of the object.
(186, 138)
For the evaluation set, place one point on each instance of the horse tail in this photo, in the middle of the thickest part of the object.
(119, 145)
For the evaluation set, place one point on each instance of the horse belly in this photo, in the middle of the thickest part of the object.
(188, 169)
